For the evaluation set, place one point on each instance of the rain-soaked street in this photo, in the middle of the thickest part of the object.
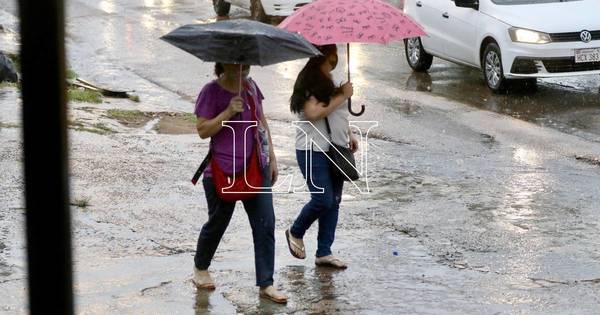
(480, 203)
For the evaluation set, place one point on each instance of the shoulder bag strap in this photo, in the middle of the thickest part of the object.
(202, 167)
(328, 128)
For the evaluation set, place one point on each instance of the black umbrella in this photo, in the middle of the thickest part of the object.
(241, 42)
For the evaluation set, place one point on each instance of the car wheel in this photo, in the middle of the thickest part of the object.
(492, 69)
(418, 59)
(258, 12)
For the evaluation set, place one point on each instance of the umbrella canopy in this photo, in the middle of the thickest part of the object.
(351, 21)
(240, 42)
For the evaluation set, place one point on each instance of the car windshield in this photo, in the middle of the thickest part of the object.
(514, 2)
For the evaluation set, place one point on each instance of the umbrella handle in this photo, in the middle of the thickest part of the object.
(242, 84)
(240, 87)
(362, 110)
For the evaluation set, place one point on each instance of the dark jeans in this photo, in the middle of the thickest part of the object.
(323, 205)
(262, 221)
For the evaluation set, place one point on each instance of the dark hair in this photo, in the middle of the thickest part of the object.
(219, 69)
(312, 81)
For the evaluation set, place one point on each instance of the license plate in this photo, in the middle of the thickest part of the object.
(587, 55)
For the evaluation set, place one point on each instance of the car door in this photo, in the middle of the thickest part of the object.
(461, 34)
(429, 14)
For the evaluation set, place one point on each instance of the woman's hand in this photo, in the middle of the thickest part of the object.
(273, 169)
(347, 89)
(210, 127)
(235, 106)
(353, 142)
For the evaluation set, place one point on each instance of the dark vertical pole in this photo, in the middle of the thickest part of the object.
(45, 150)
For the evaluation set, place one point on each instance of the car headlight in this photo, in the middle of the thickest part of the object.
(523, 35)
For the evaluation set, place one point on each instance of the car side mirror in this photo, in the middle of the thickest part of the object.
(473, 4)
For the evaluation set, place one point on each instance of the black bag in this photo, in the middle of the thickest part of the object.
(341, 159)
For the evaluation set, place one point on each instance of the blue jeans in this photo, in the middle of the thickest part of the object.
(262, 221)
(325, 198)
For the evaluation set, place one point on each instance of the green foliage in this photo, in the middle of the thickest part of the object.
(82, 95)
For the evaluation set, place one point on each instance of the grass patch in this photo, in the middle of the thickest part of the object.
(126, 115)
(8, 125)
(130, 118)
(82, 95)
(94, 130)
(97, 128)
(75, 123)
(71, 75)
(6, 84)
(134, 98)
(81, 203)
(104, 128)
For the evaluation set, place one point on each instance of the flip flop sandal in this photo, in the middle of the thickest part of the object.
(292, 243)
(204, 286)
(330, 263)
(272, 298)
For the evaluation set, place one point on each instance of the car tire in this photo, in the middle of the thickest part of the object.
(257, 12)
(493, 73)
(221, 7)
(416, 56)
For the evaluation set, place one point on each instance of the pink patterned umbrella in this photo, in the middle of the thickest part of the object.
(351, 21)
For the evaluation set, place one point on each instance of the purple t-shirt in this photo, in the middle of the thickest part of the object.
(214, 99)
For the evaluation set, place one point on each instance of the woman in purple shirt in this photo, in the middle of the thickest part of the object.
(221, 101)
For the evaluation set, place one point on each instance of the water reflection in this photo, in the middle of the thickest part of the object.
(202, 305)
(419, 81)
(316, 284)
(109, 32)
(521, 213)
(166, 6)
(526, 156)
(148, 21)
(326, 285)
(107, 6)
(211, 302)
(520, 204)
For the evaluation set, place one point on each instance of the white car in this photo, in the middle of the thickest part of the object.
(263, 9)
(508, 39)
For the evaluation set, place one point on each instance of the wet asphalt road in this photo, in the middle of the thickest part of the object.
(471, 211)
